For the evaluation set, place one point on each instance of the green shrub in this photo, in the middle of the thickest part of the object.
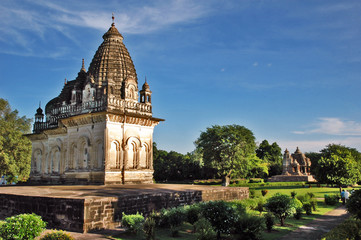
(270, 221)
(304, 198)
(22, 227)
(264, 192)
(353, 205)
(260, 205)
(239, 206)
(157, 216)
(249, 227)
(308, 208)
(133, 222)
(252, 193)
(332, 199)
(313, 203)
(310, 195)
(176, 216)
(250, 203)
(163, 219)
(293, 194)
(57, 235)
(281, 206)
(221, 215)
(256, 180)
(205, 230)
(149, 228)
(349, 229)
(298, 213)
(192, 213)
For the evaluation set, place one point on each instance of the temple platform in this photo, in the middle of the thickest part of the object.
(89, 208)
(292, 178)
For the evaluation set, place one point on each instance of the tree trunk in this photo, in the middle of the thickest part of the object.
(282, 221)
(226, 179)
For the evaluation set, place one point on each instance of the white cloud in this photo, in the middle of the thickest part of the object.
(333, 126)
(255, 64)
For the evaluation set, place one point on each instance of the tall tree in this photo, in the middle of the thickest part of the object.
(271, 153)
(15, 148)
(338, 165)
(225, 148)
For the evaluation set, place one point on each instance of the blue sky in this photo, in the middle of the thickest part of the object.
(287, 70)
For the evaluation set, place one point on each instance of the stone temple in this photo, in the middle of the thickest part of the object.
(99, 130)
(296, 168)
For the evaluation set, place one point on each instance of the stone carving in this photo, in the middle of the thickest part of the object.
(104, 121)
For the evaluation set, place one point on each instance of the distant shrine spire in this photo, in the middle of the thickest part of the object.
(113, 19)
(82, 65)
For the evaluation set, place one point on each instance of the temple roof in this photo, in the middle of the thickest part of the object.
(112, 62)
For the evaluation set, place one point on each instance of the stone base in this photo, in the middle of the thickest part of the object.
(89, 208)
(290, 178)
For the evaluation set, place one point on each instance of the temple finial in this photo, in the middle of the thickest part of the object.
(39, 104)
(113, 19)
(65, 81)
(82, 65)
(145, 78)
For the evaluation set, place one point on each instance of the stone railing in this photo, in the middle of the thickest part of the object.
(121, 104)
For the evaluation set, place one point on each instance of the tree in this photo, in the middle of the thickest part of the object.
(281, 205)
(354, 203)
(225, 148)
(338, 165)
(271, 153)
(338, 170)
(15, 148)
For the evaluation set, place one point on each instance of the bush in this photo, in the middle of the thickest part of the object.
(308, 208)
(205, 230)
(260, 205)
(349, 229)
(293, 194)
(313, 203)
(332, 199)
(176, 216)
(250, 203)
(57, 235)
(270, 221)
(149, 228)
(298, 214)
(22, 227)
(281, 206)
(192, 213)
(353, 204)
(304, 198)
(252, 193)
(133, 222)
(264, 192)
(221, 215)
(239, 206)
(249, 227)
(310, 195)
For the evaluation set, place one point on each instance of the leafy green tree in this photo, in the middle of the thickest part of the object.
(173, 166)
(354, 203)
(225, 148)
(339, 170)
(15, 148)
(271, 153)
(281, 205)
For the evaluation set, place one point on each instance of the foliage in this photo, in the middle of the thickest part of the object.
(249, 227)
(173, 166)
(205, 230)
(353, 204)
(192, 213)
(239, 206)
(57, 235)
(281, 206)
(252, 193)
(313, 203)
(293, 194)
(338, 165)
(133, 222)
(22, 227)
(15, 148)
(349, 229)
(269, 220)
(260, 205)
(149, 228)
(308, 208)
(176, 216)
(264, 192)
(272, 154)
(220, 214)
(332, 199)
(298, 213)
(226, 148)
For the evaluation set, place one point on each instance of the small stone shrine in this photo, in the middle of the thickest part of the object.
(99, 130)
(296, 168)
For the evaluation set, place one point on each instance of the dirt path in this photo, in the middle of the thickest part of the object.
(318, 227)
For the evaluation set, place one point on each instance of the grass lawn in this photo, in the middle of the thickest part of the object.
(290, 224)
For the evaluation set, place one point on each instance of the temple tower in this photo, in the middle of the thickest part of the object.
(99, 130)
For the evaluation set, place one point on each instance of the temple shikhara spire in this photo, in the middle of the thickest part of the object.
(99, 129)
